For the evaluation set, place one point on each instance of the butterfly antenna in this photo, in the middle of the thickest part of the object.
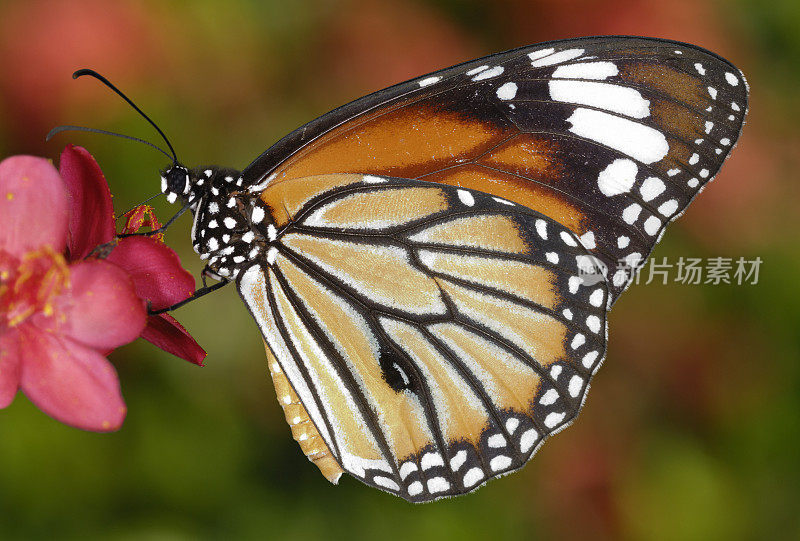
(92, 73)
(59, 129)
(139, 205)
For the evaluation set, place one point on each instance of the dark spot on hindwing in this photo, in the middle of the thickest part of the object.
(397, 371)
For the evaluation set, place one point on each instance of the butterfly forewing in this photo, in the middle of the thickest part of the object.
(612, 137)
(435, 336)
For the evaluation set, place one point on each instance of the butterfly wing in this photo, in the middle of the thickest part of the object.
(610, 136)
(434, 336)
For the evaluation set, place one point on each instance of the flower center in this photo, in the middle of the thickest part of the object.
(31, 285)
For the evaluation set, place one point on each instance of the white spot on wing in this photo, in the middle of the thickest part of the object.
(429, 81)
(553, 419)
(568, 240)
(479, 69)
(429, 460)
(575, 386)
(541, 228)
(631, 213)
(587, 239)
(651, 225)
(651, 188)
(511, 425)
(438, 484)
(541, 53)
(549, 397)
(527, 440)
(372, 179)
(557, 58)
(668, 208)
(507, 91)
(407, 468)
(617, 99)
(638, 141)
(258, 215)
(587, 70)
(488, 74)
(473, 476)
(458, 460)
(593, 322)
(618, 177)
(466, 197)
(500, 462)
(385, 482)
(496, 441)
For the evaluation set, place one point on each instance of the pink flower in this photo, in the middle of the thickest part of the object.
(155, 269)
(55, 317)
(70, 291)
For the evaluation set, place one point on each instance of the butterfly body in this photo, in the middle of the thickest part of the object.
(431, 266)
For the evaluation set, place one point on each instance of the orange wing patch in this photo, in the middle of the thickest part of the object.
(510, 382)
(376, 271)
(667, 80)
(286, 199)
(545, 346)
(529, 155)
(492, 232)
(514, 188)
(379, 209)
(405, 142)
(523, 280)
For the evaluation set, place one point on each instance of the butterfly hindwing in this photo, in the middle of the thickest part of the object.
(434, 336)
(610, 136)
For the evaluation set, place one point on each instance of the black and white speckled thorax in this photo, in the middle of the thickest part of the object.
(230, 224)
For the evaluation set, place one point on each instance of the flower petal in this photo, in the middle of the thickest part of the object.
(102, 309)
(9, 366)
(33, 205)
(165, 332)
(70, 382)
(155, 269)
(91, 213)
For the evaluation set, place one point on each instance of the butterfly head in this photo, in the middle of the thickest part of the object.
(176, 183)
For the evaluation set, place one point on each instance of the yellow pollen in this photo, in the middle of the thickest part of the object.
(9, 196)
(42, 275)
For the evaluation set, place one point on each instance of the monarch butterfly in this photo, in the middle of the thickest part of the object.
(431, 265)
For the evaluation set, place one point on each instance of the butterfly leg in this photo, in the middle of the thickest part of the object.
(205, 290)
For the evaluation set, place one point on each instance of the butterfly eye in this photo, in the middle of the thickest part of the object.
(176, 180)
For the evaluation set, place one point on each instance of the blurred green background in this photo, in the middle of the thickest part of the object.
(692, 429)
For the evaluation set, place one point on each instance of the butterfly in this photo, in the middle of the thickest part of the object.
(431, 265)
